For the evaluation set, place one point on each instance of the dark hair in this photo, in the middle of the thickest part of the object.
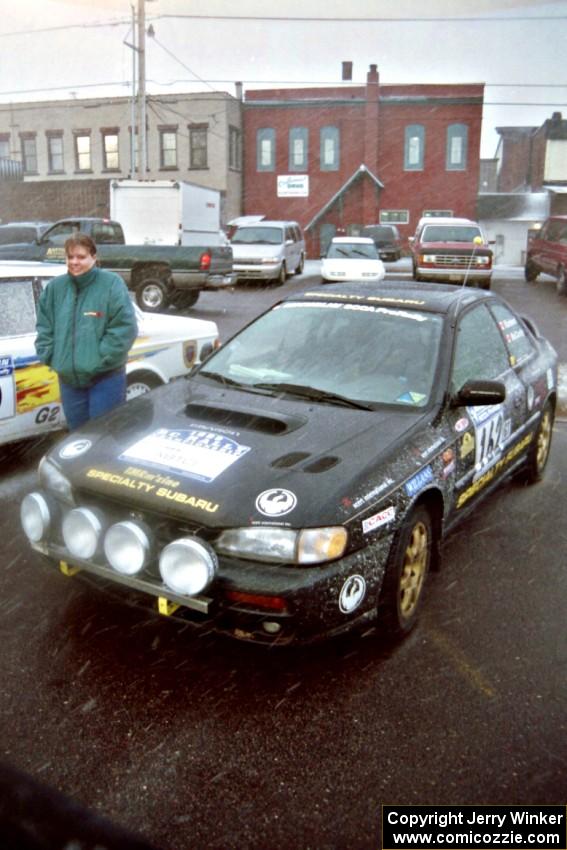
(80, 240)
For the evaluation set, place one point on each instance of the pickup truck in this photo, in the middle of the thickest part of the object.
(159, 275)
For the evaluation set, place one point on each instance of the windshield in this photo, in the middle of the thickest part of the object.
(450, 233)
(352, 250)
(255, 235)
(366, 354)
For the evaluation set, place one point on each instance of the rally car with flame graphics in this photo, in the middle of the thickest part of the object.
(166, 347)
(299, 483)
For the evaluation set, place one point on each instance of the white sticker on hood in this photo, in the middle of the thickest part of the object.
(75, 448)
(276, 502)
(189, 451)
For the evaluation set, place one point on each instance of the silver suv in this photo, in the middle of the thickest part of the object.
(268, 250)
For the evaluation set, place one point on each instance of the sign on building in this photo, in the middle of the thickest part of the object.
(293, 185)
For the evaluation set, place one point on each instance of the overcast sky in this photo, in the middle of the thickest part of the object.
(76, 48)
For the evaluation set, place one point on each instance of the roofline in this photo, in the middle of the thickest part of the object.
(361, 171)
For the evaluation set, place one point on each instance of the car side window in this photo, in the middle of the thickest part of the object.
(480, 353)
(17, 316)
(59, 234)
(515, 334)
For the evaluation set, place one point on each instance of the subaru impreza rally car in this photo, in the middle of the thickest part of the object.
(300, 481)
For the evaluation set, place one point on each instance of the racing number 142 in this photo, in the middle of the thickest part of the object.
(489, 438)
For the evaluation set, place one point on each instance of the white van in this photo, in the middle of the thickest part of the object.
(268, 250)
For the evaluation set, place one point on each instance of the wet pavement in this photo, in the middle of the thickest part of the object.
(195, 741)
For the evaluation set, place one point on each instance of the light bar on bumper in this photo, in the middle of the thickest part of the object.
(284, 545)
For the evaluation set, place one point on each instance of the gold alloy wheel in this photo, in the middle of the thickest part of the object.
(543, 439)
(414, 569)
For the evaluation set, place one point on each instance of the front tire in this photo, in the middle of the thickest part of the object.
(140, 383)
(300, 265)
(530, 272)
(539, 450)
(408, 565)
(561, 281)
(282, 275)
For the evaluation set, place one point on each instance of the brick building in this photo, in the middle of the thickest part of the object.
(532, 158)
(338, 158)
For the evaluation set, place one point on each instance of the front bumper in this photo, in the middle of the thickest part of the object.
(454, 275)
(253, 601)
(257, 272)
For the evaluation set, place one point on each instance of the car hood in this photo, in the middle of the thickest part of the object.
(223, 457)
(453, 247)
(352, 266)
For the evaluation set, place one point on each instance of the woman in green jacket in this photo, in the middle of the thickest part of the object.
(85, 328)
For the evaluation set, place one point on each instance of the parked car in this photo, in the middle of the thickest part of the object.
(300, 482)
(387, 240)
(352, 258)
(451, 250)
(268, 250)
(166, 347)
(16, 232)
(547, 252)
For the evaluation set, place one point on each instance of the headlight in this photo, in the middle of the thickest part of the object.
(53, 479)
(35, 517)
(284, 545)
(428, 258)
(269, 260)
(188, 565)
(82, 532)
(127, 547)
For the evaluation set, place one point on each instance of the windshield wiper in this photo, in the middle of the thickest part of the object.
(314, 394)
(222, 379)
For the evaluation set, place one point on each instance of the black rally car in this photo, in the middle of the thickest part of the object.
(301, 480)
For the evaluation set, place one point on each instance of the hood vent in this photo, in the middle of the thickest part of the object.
(253, 420)
(285, 461)
(322, 464)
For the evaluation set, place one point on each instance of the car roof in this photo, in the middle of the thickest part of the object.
(17, 268)
(364, 240)
(24, 224)
(446, 220)
(433, 297)
(271, 223)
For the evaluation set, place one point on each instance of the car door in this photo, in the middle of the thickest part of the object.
(29, 391)
(487, 435)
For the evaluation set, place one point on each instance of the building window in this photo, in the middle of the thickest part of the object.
(83, 161)
(110, 155)
(457, 144)
(234, 148)
(298, 141)
(5, 146)
(437, 214)
(29, 153)
(266, 149)
(198, 140)
(55, 153)
(414, 147)
(168, 147)
(330, 149)
(394, 216)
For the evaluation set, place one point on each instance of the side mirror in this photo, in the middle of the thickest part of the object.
(476, 393)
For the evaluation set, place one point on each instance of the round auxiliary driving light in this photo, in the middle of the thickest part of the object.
(188, 565)
(82, 531)
(35, 517)
(127, 548)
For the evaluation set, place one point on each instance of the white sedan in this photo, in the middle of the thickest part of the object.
(352, 258)
(166, 347)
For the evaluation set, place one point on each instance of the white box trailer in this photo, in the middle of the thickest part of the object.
(166, 212)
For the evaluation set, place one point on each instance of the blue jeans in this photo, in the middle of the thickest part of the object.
(83, 403)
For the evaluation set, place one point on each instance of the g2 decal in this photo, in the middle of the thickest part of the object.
(7, 394)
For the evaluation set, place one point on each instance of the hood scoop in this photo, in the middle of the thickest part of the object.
(321, 464)
(253, 419)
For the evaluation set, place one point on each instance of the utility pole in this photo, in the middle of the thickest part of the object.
(142, 133)
(133, 103)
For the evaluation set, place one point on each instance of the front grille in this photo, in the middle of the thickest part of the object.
(455, 261)
(248, 261)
